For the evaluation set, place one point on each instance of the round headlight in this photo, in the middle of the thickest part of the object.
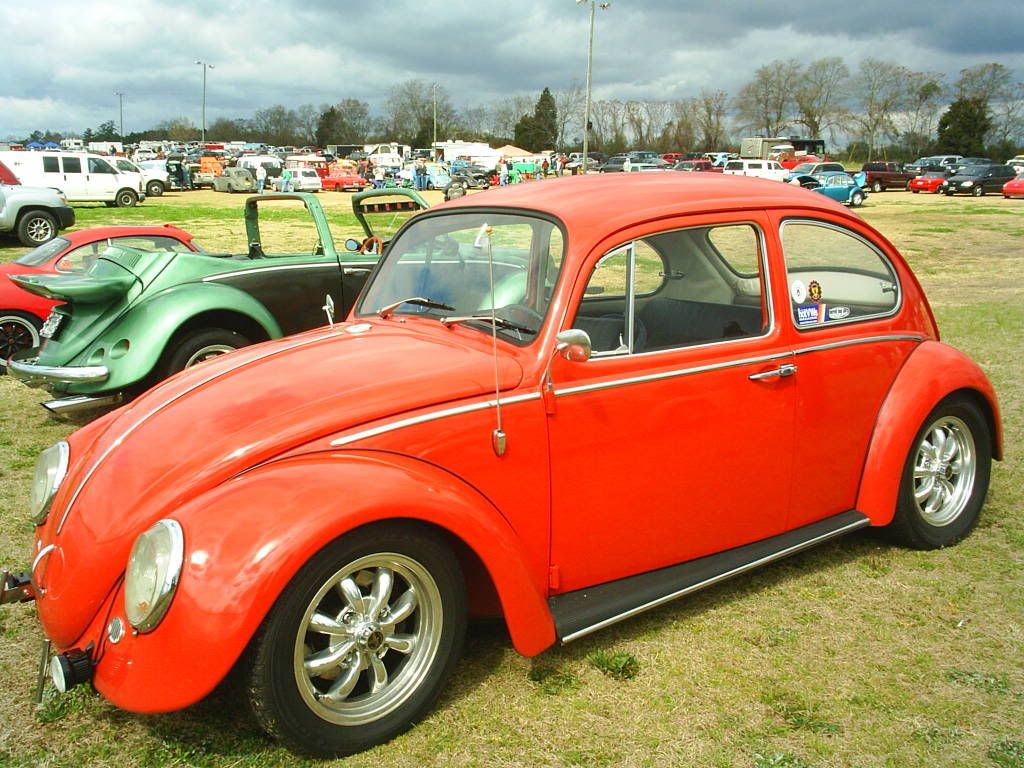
(152, 574)
(51, 467)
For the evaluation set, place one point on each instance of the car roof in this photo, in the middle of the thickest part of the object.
(91, 235)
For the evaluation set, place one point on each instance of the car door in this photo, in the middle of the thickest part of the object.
(673, 441)
(73, 172)
(843, 295)
(102, 179)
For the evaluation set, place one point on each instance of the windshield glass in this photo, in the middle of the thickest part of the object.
(804, 168)
(43, 253)
(443, 260)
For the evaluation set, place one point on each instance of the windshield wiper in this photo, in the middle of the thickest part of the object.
(501, 322)
(385, 312)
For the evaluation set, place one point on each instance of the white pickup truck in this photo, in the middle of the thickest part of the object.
(34, 214)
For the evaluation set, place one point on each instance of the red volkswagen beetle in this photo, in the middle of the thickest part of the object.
(341, 179)
(22, 313)
(546, 406)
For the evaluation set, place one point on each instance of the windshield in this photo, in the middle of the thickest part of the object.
(804, 168)
(44, 252)
(443, 260)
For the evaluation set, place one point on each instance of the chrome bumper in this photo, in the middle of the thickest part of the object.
(15, 587)
(24, 367)
(80, 409)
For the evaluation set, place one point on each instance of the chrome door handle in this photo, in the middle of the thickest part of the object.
(783, 371)
(355, 271)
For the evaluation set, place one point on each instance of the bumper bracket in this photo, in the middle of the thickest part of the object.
(15, 587)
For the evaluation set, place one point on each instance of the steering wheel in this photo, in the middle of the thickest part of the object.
(372, 244)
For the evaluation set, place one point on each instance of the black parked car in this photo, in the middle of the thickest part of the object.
(978, 179)
(614, 164)
(965, 162)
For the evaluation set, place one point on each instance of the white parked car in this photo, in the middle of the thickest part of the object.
(763, 169)
(154, 177)
(80, 176)
(303, 180)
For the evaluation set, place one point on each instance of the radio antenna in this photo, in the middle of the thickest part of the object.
(483, 240)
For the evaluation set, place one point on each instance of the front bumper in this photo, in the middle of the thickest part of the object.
(24, 366)
(65, 216)
(15, 587)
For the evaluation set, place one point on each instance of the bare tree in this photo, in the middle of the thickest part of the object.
(1008, 116)
(409, 112)
(609, 124)
(711, 115)
(919, 117)
(680, 132)
(988, 82)
(507, 112)
(880, 90)
(765, 104)
(570, 110)
(818, 96)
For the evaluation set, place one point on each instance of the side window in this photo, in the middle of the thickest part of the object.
(51, 165)
(72, 164)
(834, 276)
(81, 258)
(676, 289)
(99, 166)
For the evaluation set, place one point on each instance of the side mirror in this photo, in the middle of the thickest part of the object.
(574, 345)
(352, 245)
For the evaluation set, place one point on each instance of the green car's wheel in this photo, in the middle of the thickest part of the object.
(361, 641)
(198, 346)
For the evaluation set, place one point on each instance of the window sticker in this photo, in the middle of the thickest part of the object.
(798, 291)
(814, 291)
(810, 314)
(838, 313)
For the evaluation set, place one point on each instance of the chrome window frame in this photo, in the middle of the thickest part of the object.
(765, 279)
(842, 230)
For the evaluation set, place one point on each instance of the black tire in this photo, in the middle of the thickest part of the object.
(876, 186)
(293, 704)
(197, 346)
(110, 203)
(126, 198)
(155, 188)
(856, 199)
(978, 191)
(36, 227)
(915, 191)
(18, 331)
(964, 423)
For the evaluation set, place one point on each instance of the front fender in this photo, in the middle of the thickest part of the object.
(149, 325)
(933, 371)
(246, 539)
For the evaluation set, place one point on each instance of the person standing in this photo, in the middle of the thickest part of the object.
(502, 173)
(286, 180)
(544, 168)
(378, 176)
(627, 165)
(261, 177)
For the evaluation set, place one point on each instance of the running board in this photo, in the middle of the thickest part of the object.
(579, 613)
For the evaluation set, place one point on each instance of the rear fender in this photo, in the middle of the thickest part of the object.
(149, 326)
(932, 372)
(246, 539)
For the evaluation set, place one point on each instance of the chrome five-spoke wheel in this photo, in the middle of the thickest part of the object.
(368, 638)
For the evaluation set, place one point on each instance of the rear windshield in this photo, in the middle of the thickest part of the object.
(44, 252)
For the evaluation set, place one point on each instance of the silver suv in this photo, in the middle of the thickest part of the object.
(34, 214)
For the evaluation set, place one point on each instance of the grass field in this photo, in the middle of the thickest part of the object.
(855, 654)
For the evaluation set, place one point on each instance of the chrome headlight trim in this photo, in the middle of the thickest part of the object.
(51, 469)
(165, 566)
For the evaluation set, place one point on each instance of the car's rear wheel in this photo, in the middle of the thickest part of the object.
(915, 191)
(126, 198)
(36, 228)
(945, 477)
(198, 346)
(876, 186)
(155, 189)
(856, 199)
(18, 331)
(361, 642)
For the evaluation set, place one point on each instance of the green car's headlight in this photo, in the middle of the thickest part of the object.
(152, 574)
(51, 468)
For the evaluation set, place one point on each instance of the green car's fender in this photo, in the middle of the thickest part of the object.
(132, 346)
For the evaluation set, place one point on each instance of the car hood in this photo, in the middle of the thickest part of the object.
(211, 422)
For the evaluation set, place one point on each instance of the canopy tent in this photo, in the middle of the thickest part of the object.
(51, 145)
(34, 145)
(510, 150)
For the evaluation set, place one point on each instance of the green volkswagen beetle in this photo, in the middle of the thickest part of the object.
(137, 317)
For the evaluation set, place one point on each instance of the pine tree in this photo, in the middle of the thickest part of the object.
(963, 126)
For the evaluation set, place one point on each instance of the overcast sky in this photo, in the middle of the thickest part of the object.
(64, 59)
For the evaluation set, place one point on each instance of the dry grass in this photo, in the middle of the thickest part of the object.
(857, 654)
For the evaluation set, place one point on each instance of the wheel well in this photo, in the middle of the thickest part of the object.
(220, 318)
(985, 407)
(29, 209)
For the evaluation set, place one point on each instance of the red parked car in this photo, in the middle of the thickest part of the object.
(339, 179)
(1014, 187)
(22, 313)
(538, 409)
(929, 181)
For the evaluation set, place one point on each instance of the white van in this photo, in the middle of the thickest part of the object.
(80, 176)
(252, 162)
(154, 179)
(763, 169)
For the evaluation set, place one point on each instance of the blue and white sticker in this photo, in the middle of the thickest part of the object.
(809, 314)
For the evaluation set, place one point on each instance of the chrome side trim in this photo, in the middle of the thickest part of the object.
(43, 553)
(670, 374)
(159, 407)
(433, 416)
(715, 579)
(863, 340)
(275, 268)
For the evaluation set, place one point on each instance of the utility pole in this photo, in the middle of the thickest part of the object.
(120, 109)
(590, 65)
(205, 67)
(433, 146)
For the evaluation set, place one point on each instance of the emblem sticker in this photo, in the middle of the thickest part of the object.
(814, 291)
(798, 291)
(838, 313)
(809, 314)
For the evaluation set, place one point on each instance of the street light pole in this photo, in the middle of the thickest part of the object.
(120, 109)
(433, 146)
(205, 67)
(590, 65)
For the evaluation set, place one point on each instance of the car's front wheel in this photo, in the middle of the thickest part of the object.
(155, 188)
(126, 198)
(945, 476)
(876, 186)
(978, 191)
(36, 228)
(361, 642)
